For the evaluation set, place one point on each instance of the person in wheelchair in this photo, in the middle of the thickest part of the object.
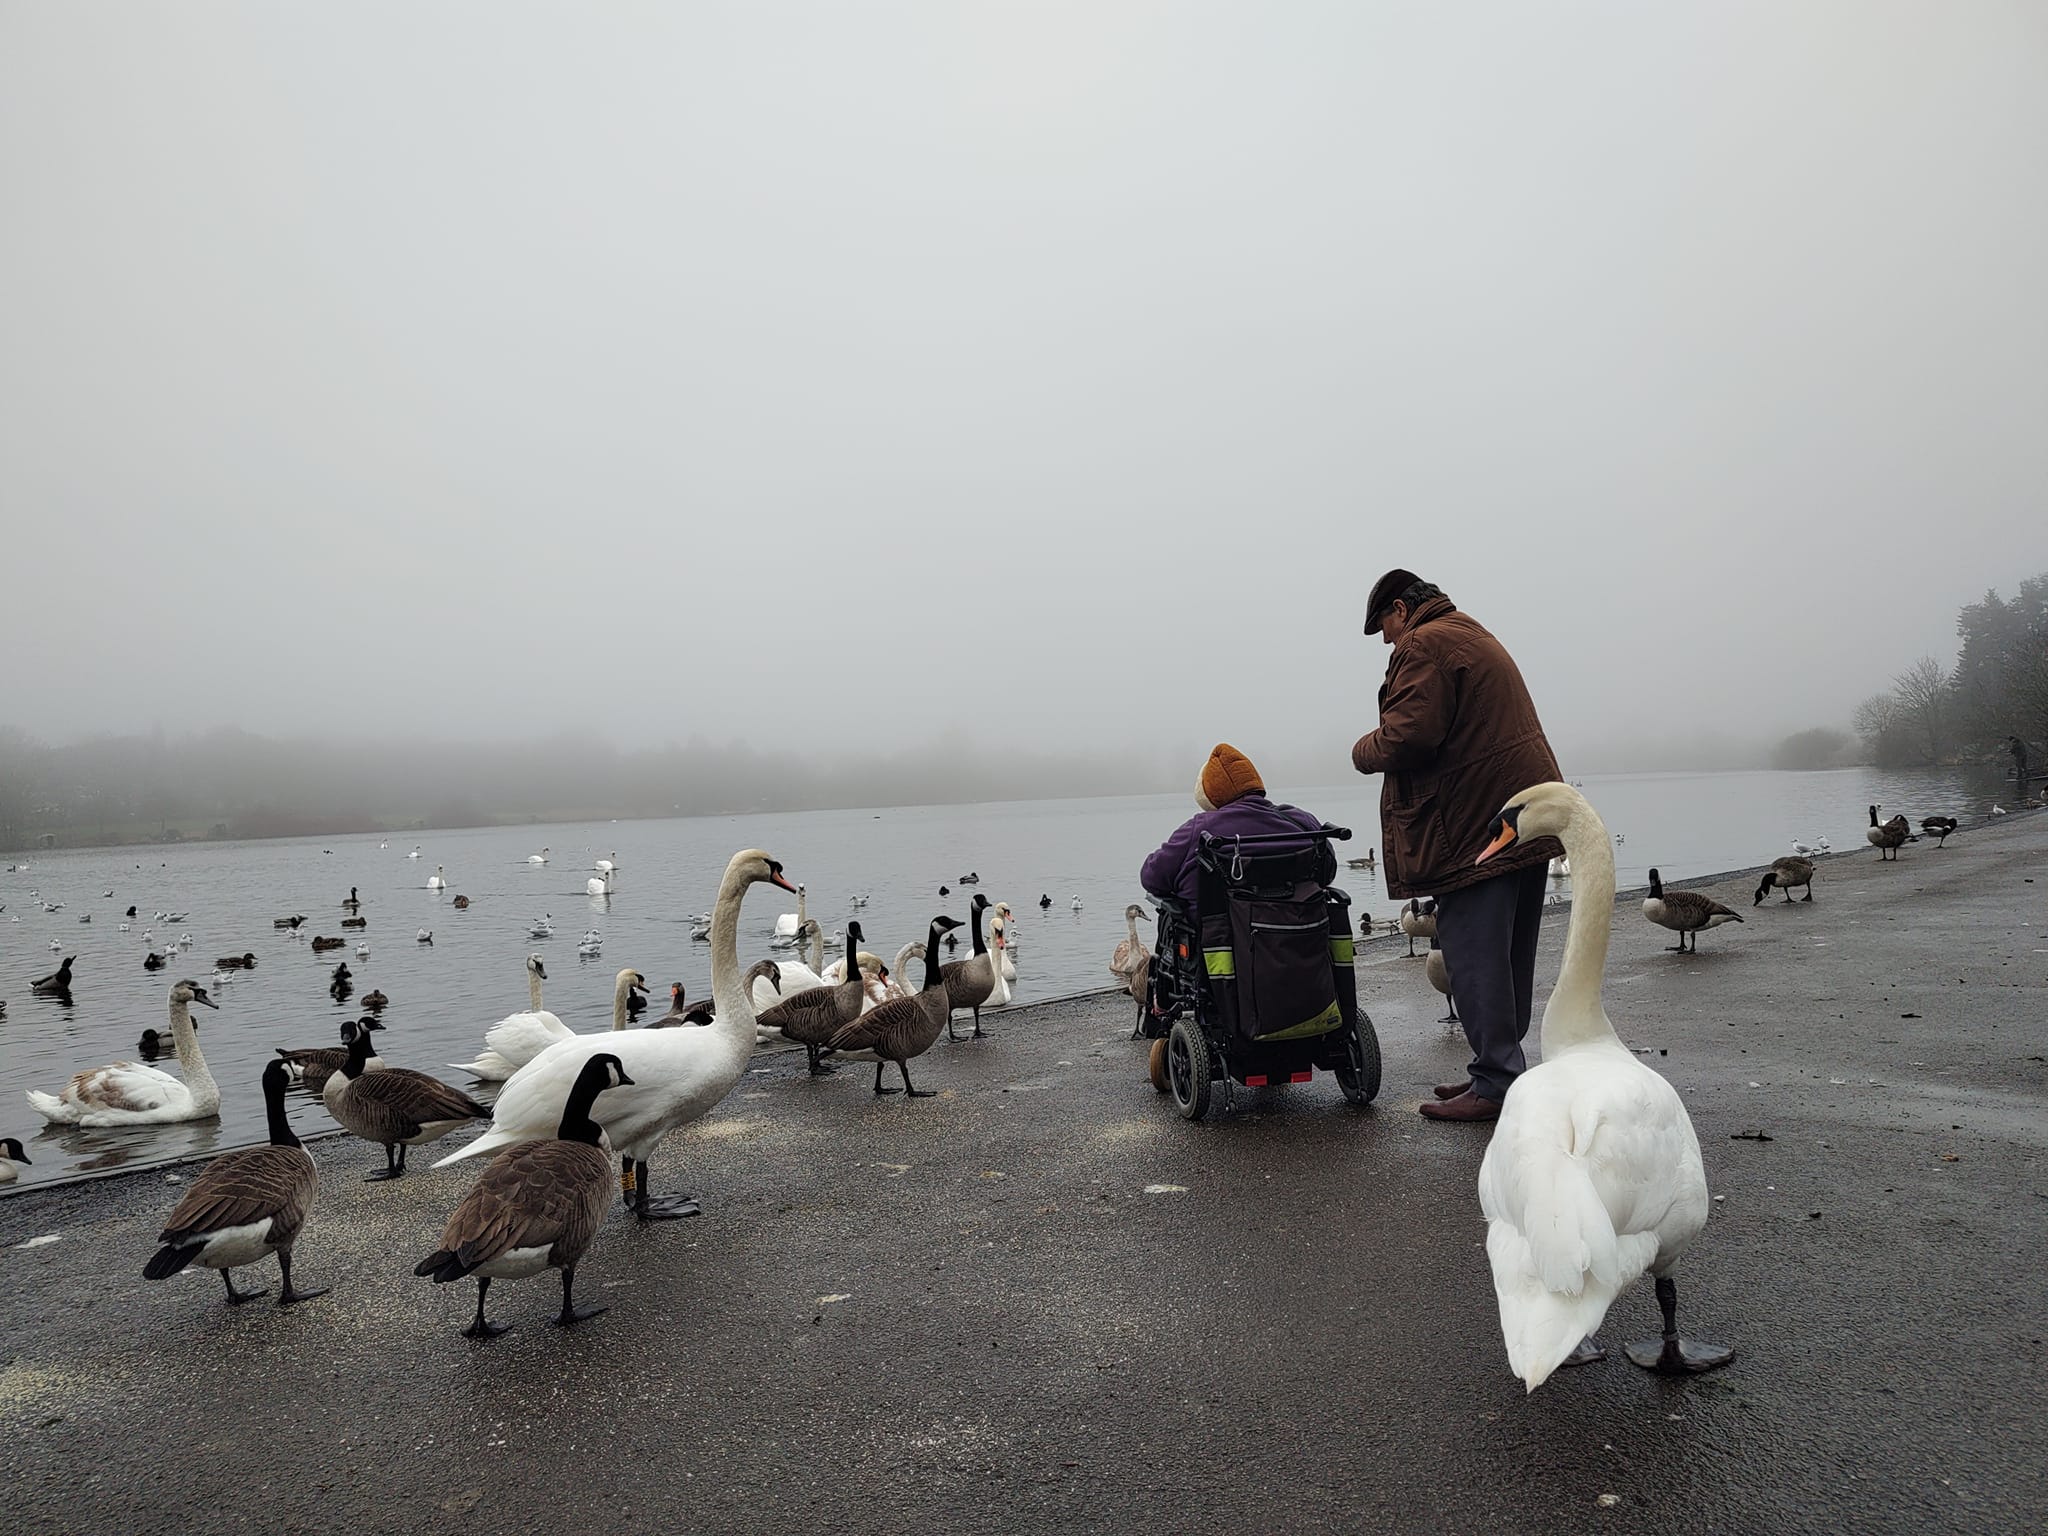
(1233, 801)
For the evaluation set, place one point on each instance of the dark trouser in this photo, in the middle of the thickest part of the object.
(1488, 933)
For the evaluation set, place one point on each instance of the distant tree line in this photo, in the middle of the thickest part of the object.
(1997, 688)
(235, 784)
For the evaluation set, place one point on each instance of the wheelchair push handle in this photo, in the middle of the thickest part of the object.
(1328, 831)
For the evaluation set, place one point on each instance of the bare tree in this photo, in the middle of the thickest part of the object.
(1923, 692)
(1875, 717)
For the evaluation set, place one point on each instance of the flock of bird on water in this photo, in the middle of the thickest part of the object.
(1572, 1221)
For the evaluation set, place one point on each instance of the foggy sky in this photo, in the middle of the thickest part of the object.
(840, 374)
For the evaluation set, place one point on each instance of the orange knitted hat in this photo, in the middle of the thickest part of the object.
(1227, 776)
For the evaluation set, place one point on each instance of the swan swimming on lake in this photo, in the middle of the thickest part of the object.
(438, 881)
(538, 858)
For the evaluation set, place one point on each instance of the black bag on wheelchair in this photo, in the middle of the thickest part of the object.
(1268, 938)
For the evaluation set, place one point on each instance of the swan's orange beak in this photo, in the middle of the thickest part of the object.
(775, 878)
(1506, 836)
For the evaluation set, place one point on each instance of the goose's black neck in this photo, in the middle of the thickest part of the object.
(1656, 885)
(974, 915)
(932, 978)
(590, 1082)
(274, 1077)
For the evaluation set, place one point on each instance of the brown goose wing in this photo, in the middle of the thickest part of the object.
(539, 1193)
(240, 1188)
(1693, 909)
(880, 1028)
(969, 982)
(397, 1104)
(809, 1017)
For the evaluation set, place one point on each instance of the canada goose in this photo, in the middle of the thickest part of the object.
(317, 1067)
(351, 902)
(517, 1038)
(1593, 1175)
(1418, 921)
(438, 881)
(236, 962)
(125, 1093)
(970, 878)
(1438, 968)
(1684, 913)
(905, 1027)
(812, 1016)
(538, 858)
(12, 1156)
(376, 1001)
(57, 982)
(977, 983)
(396, 1108)
(1887, 836)
(355, 922)
(678, 1074)
(322, 944)
(154, 961)
(537, 1205)
(1784, 874)
(1939, 828)
(248, 1204)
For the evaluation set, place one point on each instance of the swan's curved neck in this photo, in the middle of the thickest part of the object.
(533, 989)
(901, 969)
(621, 995)
(817, 933)
(733, 1007)
(1575, 1015)
(1131, 923)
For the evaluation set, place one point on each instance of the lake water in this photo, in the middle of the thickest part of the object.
(443, 997)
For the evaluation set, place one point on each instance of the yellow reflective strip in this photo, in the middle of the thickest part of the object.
(1342, 951)
(1321, 1024)
(1220, 962)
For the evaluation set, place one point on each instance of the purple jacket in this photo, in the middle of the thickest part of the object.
(1173, 869)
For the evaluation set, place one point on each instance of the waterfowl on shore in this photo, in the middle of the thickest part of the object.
(396, 1108)
(1887, 837)
(907, 1027)
(11, 1157)
(1437, 967)
(1784, 874)
(1940, 828)
(58, 981)
(1418, 921)
(245, 1206)
(517, 1038)
(678, 1074)
(1593, 1176)
(537, 1206)
(811, 1017)
(1684, 913)
(318, 1066)
(128, 1093)
(976, 983)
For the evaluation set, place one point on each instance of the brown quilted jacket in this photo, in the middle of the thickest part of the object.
(1458, 738)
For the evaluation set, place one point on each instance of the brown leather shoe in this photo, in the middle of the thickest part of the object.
(1466, 1106)
(1452, 1090)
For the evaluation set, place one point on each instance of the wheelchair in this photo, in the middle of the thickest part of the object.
(1256, 986)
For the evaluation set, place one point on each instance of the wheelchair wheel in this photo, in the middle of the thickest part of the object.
(1187, 1069)
(1359, 1077)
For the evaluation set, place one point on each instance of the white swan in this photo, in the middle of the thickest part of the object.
(538, 858)
(438, 881)
(415, 851)
(517, 1038)
(1593, 1176)
(598, 885)
(125, 1093)
(607, 866)
(1002, 910)
(790, 925)
(796, 976)
(677, 1074)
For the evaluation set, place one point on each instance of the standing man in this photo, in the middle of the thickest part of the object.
(1458, 738)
